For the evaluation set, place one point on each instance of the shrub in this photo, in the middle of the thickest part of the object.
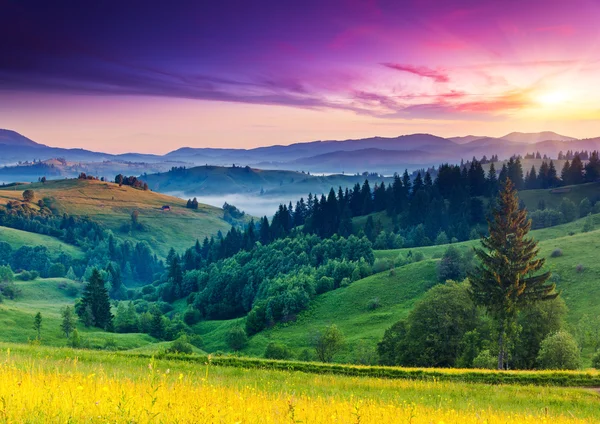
(451, 266)
(559, 351)
(381, 265)
(110, 344)
(588, 224)
(485, 360)
(181, 345)
(328, 343)
(277, 351)
(6, 274)
(25, 276)
(556, 253)
(57, 270)
(305, 355)
(596, 360)
(236, 338)
(324, 284)
(579, 268)
(191, 316)
(196, 341)
(373, 304)
(10, 290)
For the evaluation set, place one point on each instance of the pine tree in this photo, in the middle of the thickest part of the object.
(68, 321)
(95, 297)
(504, 280)
(37, 325)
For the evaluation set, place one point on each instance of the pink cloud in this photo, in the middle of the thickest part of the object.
(422, 71)
(557, 29)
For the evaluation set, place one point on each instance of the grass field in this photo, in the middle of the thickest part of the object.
(61, 385)
(111, 206)
(18, 238)
(46, 296)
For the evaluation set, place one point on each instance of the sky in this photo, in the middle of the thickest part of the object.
(151, 77)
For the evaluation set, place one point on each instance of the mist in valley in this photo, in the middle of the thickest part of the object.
(254, 205)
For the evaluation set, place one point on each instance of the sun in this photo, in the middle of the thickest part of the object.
(552, 98)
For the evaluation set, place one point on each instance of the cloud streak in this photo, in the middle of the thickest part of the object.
(422, 71)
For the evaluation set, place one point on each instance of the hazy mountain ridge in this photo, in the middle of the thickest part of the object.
(375, 154)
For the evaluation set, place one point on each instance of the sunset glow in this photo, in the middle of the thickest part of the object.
(233, 74)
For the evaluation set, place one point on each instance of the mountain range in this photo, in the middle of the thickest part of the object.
(376, 154)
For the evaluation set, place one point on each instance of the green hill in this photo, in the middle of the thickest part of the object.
(397, 291)
(18, 238)
(111, 206)
(48, 296)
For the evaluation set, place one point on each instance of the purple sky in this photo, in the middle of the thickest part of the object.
(110, 77)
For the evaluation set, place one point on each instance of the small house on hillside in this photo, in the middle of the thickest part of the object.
(166, 208)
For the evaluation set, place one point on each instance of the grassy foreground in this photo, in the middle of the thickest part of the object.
(61, 385)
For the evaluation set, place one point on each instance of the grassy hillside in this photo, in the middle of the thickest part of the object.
(111, 206)
(48, 297)
(397, 291)
(18, 238)
(575, 193)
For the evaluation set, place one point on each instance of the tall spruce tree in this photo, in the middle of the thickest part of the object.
(95, 297)
(505, 279)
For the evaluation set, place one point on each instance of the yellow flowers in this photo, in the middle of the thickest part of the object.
(36, 395)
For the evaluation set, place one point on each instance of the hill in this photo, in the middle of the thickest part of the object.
(111, 206)
(519, 137)
(397, 291)
(48, 297)
(18, 238)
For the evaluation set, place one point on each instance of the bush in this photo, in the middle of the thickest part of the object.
(181, 345)
(324, 284)
(559, 351)
(277, 351)
(236, 338)
(57, 270)
(305, 355)
(196, 341)
(10, 290)
(6, 274)
(596, 360)
(110, 344)
(382, 265)
(191, 316)
(588, 224)
(373, 304)
(451, 266)
(556, 253)
(485, 360)
(328, 343)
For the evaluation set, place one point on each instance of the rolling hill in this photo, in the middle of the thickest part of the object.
(398, 291)
(111, 206)
(18, 238)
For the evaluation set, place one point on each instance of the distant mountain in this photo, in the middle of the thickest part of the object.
(519, 137)
(384, 155)
(465, 139)
(13, 138)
